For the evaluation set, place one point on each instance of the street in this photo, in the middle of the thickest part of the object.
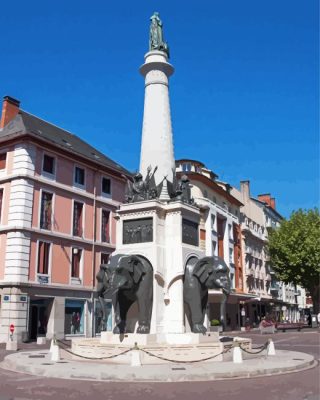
(302, 385)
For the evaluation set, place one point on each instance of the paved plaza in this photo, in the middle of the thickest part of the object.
(303, 384)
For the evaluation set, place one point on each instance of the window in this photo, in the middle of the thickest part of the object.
(43, 258)
(98, 316)
(106, 186)
(231, 279)
(213, 221)
(105, 228)
(205, 193)
(74, 317)
(104, 258)
(77, 218)
(231, 255)
(79, 176)
(230, 233)
(76, 260)
(48, 165)
(3, 159)
(46, 211)
(1, 197)
(214, 246)
(186, 167)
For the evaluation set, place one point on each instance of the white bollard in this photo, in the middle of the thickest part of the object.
(41, 340)
(135, 358)
(55, 353)
(237, 355)
(12, 345)
(51, 345)
(271, 351)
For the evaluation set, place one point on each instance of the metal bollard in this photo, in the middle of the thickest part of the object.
(270, 349)
(237, 355)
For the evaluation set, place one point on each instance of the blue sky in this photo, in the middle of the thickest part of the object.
(244, 96)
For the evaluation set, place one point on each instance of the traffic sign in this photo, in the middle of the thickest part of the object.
(11, 328)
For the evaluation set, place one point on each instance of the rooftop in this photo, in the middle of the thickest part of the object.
(25, 123)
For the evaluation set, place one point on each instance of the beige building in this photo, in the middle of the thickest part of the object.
(219, 234)
(254, 237)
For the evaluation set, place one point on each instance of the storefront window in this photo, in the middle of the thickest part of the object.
(74, 317)
(98, 316)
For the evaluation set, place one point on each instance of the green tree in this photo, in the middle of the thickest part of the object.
(294, 250)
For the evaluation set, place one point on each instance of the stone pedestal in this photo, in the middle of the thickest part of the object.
(130, 339)
(127, 339)
(173, 242)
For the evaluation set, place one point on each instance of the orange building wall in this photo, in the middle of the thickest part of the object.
(62, 212)
(62, 219)
(87, 268)
(36, 205)
(60, 263)
(88, 220)
(9, 161)
(5, 202)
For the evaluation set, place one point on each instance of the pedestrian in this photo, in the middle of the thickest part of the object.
(309, 319)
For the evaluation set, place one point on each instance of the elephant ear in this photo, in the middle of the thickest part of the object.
(137, 268)
(202, 270)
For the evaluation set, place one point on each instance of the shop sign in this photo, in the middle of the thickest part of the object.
(43, 279)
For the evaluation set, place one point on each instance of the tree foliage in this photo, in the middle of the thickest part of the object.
(294, 250)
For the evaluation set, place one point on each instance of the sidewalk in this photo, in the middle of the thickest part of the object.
(39, 363)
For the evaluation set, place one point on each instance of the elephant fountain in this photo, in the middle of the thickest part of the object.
(127, 279)
(201, 275)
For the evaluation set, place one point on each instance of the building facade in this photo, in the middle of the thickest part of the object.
(58, 196)
(220, 234)
(257, 272)
(289, 301)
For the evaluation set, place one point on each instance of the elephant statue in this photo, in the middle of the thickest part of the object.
(127, 279)
(103, 279)
(201, 275)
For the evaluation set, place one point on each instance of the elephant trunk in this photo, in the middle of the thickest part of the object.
(110, 293)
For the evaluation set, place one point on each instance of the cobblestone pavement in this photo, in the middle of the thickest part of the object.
(303, 385)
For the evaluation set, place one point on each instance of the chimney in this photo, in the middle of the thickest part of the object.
(266, 198)
(245, 190)
(10, 109)
(273, 203)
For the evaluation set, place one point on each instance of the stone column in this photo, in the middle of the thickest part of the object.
(157, 142)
